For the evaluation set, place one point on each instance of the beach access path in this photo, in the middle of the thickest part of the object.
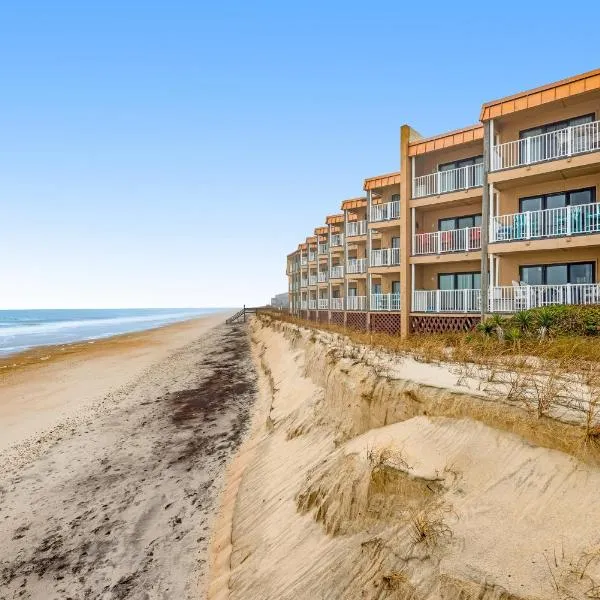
(112, 457)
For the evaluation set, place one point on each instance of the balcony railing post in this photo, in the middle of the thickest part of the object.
(437, 300)
(467, 229)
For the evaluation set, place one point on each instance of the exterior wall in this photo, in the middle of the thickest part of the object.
(386, 280)
(428, 163)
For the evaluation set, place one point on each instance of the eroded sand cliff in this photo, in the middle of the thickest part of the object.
(370, 476)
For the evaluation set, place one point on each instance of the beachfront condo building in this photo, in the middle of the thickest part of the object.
(497, 217)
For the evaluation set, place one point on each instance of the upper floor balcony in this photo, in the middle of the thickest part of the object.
(385, 257)
(312, 256)
(304, 282)
(337, 272)
(304, 261)
(551, 145)
(336, 240)
(445, 181)
(312, 280)
(322, 276)
(357, 265)
(385, 212)
(356, 228)
(553, 222)
(454, 240)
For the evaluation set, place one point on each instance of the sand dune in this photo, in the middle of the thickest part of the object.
(358, 482)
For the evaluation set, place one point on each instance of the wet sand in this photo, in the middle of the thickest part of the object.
(111, 492)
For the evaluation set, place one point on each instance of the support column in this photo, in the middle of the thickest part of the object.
(485, 217)
(345, 265)
(329, 273)
(406, 174)
(369, 243)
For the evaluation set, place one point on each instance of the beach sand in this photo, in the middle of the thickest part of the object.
(112, 457)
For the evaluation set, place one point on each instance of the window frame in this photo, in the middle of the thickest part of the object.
(455, 277)
(456, 221)
(543, 266)
(554, 123)
(567, 193)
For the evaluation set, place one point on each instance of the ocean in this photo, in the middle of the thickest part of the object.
(24, 329)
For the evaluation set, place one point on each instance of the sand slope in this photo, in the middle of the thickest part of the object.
(358, 485)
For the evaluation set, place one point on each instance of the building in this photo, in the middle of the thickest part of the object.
(280, 301)
(496, 217)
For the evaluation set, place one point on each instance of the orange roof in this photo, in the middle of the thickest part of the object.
(354, 203)
(321, 230)
(445, 140)
(334, 219)
(311, 240)
(302, 246)
(322, 238)
(380, 181)
(558, 90)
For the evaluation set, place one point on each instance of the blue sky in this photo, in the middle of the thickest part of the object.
(172, 154)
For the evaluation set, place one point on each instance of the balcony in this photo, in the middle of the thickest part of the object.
(312, 305)
(357, 265)
(337, 304)
(323, 303)
(454, 240)
(355, 228)
(336, 272)
(547, 146)
(521, 297)
(322, 277)
(323, 249)
(312, 280)
(552, 222)
(304, 282)
(304, 261)
(385, 212)
(447, 301)
(385, 301)
(312, 256)
(337, 239)
(385, 257)
(304, 305)
(444, 182)
(356, 303)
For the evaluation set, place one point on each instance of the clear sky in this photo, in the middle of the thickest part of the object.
(172, 153)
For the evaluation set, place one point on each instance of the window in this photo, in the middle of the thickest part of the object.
(558, 125)
(376, 288)
(558, 274)
(395, 287)
(558, 200)
(459, 222)
(395, 242)
(459, 281)
(457, 164)
(395, 197)
(352, 291)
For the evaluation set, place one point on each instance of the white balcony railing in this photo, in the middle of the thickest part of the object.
(385, 301)
(337, 304)
(521, 297)
(357, 265)
(455, 240)
(304, 261)
(354, 228)
(322, 276)
(385, 257)
(386, 211)
(547, 146)
(312, 280)
(356, 303)
(304, 282)
(312, 305)
(323, 304)
(336, 272)
(304, 305)
(323, 248)
(444, 301)
(337, 239)
(553, 222)
(312, 256)
(443, 182)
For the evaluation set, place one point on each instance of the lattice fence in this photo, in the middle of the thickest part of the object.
(442, 324)
(356, 320)
(337, 317)
(385, 322)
